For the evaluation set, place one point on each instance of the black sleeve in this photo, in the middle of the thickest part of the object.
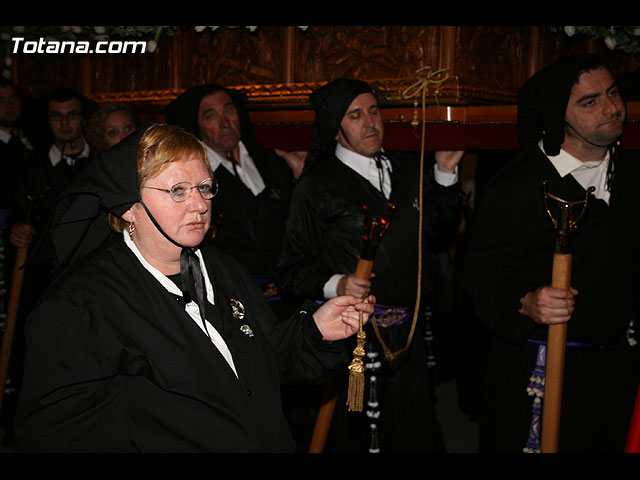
(72, 398)
(302, 272)
(501, 234)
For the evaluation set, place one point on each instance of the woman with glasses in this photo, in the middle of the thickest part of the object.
(151, 340)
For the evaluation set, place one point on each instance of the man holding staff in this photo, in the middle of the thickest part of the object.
(346, 168)
(570, 117)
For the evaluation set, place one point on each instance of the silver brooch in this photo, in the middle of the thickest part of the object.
(237, 309)
(246, 329)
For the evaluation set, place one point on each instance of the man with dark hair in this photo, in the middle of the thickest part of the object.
(570, 117)
(56, 161)
(255, 182)
(346, 168)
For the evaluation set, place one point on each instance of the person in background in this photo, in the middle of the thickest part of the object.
(15, 147)
(250, 212)
(55, 161)
(109, 125)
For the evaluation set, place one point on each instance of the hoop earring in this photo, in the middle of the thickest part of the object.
(132, 230)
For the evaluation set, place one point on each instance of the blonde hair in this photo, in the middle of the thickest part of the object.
(95, 126)
(161, 145)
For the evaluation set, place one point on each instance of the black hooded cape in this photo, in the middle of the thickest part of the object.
(324, 237)
(511, 253)
(115, 364)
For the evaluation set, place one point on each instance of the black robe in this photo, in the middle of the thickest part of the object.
(252, 226)
(324, 237)
(511, 253)
(115, 364)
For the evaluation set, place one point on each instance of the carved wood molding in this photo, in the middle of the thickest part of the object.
(296, 95)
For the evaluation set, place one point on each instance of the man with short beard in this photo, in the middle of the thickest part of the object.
(570, 118)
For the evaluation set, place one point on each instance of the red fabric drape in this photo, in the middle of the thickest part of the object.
(439, 136)
(633, 436)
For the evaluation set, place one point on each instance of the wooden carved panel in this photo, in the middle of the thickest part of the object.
(494, 57)
(277, 66)
(126, 72)
(367, 52)
(232, 56)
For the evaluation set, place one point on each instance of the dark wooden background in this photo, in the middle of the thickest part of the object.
(278, 66)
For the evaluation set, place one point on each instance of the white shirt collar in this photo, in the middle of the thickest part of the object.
(6, 136)
(247, 170)
(366, 167)
(161, 277)
(588, 174)
(55, 155)
(191, 308)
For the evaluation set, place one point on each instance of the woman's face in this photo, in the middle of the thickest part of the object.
(185, 222)
(116, 127)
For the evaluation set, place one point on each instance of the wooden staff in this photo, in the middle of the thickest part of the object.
(557, 334)
(12, 310)
(373, 231)
(330, 394)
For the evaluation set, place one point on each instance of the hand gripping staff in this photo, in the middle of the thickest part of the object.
(373, 230)
(557, 334)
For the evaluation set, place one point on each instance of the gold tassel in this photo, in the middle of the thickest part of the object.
(355, 393)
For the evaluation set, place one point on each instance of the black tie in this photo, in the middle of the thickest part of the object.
(193, 286)
(233, 164)
(378, 159)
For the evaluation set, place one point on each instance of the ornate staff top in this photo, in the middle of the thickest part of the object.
(567, 221)
(373, 230)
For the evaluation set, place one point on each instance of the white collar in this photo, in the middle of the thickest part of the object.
(565, 163)
(55, 155)
(191, 308)
(162, 278)
(356, 161)
(5, 136)
(215, 159)
(587, 174)
(247, 170)
(367, 168)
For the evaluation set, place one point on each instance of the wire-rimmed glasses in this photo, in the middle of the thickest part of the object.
(181, 191)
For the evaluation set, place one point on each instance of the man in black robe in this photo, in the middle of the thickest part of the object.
(570, 116)
(59, 156)
(345, 169)
(255, 182)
